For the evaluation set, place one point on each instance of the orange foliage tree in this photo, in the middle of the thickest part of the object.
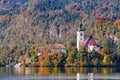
(117, 23)
(100, 19)
(68, 7)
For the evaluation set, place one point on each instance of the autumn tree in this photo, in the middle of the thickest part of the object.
(47, 62)
(118, 49)
(106, 60)
(117, 23)
(107, 45)
(3, 59)
(33, 54)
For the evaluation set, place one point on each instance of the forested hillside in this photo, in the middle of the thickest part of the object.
(26, 23)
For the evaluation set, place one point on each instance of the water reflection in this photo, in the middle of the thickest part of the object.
(57, 71)
(60, 70)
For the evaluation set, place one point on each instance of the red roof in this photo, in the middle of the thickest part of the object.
(85, 41)
(42, 49)
(93, 44)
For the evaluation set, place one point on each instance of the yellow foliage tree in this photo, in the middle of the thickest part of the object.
(106, 60)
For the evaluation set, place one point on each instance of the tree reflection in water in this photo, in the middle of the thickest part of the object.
(62, 70)
(68, 73)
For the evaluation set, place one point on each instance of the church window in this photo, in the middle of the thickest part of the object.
(81, 34)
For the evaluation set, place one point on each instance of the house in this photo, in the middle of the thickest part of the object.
(52, 48)
(91, 45)
(58, 48)
(41, 50)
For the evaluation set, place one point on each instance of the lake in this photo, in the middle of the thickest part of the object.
(59, 73)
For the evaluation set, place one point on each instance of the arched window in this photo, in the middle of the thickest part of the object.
(80, 34)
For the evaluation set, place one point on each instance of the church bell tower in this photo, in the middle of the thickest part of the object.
(80, 37)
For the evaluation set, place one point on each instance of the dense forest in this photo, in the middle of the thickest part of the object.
(27, 23)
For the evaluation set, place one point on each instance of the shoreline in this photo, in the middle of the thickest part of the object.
(68, 66)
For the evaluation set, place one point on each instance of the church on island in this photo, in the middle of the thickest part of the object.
(88, 43)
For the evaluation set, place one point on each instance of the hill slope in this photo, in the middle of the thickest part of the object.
(24, 23)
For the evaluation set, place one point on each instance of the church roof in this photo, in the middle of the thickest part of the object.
(93, 44)
(54, 46)
(90, 41)
(85, 41)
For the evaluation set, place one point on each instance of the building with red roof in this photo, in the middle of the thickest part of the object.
(58, 48)
(93, 46)
(88, 43)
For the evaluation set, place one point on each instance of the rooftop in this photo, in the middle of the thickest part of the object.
(54, 46)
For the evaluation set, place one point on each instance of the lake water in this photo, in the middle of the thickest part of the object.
(58, 73)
